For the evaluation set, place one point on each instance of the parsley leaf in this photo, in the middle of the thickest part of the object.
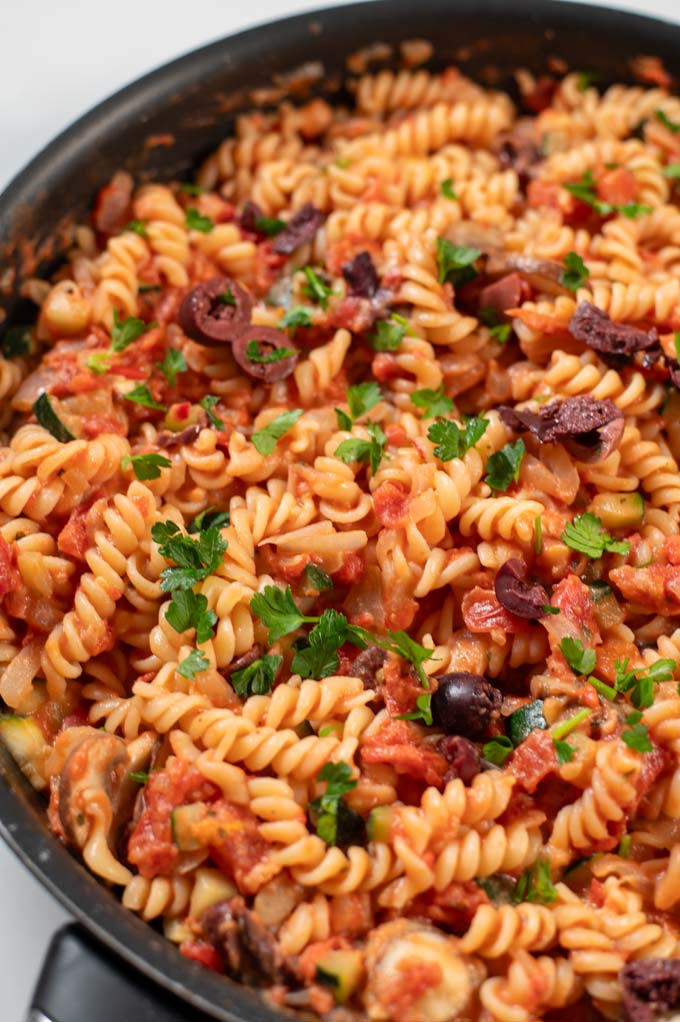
(433, 402)
(257, 678)
(580, 659)
(410, 650)
(141, 395)
(586, 535)
(139, 776)
(49, 420)
(16, 341)
(455, 262)
(196, 222)
(362, 398)
(452, 441)
(211, 517)
(315, 288)
(503, 466)
(207, 403)
(275, 355)
(269, 225)
(497, 750)
(563, 751)
(424, 711)
(193, 664)
(295, 317)
(637, 738)
(190, 610)
(672, 171)
(173, 363)
(498, 330)
(584, 79)
(145, 466)
(278, 612)
(640, 682)
(187, 188)
(124, 332)
(99, 362)
(343, 419)
(667, 122)
(264, 440)
(328, 807)
(195, 558)
(536, 885)
(575, 273)
(318, 578)
(388, 335)
(227, 297)
(319, 658)
(365, 451)
(447, 190)
(586, 191)
(137, 227)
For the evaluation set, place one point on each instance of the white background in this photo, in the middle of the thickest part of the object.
(59, 59)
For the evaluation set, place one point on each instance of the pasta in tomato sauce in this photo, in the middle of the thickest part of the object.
(340, 551)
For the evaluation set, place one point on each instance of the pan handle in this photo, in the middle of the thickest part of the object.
(82, 981)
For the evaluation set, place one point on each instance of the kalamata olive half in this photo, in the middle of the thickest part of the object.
(516, 594)
(262, 361)
(464, 704)
(215, 312)
(463, 756)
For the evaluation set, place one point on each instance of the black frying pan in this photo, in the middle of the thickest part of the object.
(115, 967)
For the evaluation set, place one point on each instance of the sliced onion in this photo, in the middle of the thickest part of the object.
(17, 680)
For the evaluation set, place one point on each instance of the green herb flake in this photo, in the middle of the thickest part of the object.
(580, 659)
(319, 657)
(423, 711)
(366, 451)
(637, 737)
(253, 354)
(278, 612)
(535, 884)
(195, 221)
(672, 171)
(16, 341)
(586, 535)
(187, 188)
(408, 649)
(584, 79)
(295, 317)
(227, 297)
(173, 364)
(49, 420)
(145, 466)
(563, 751)
(318, 579)
(207, 403)
(434, 403)
(265, 439)
(567, 726)
(193, 664)
(362, 397)
(139, 776)
(639, 683)
(141, 395)
(624, 847)
(269, 225)
(538, 534)
(388, 335)
(137, 227)
(315, 288)
(99, 362)
(447, 190)
(451, 441)
(455, 263)
(195, 558)
(212, 517)
(327, 808)
(575, 272)
(257, 678)
(503, 467)
(586, 191)
(664, 119)
(190, 610)
(497, 750)
(124, 332)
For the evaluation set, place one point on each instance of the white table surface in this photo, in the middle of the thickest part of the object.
(58, 60)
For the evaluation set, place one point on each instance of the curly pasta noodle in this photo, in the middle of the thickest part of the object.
(314, 646)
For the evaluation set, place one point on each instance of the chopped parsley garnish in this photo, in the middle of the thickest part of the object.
(563, 751)
(672, 171)
(257, 678)
(536, 885)
(315, 288)
(207, 403)
(295, 317)
(624, 847)
(410, 650)
(195, 559)
(455, 262)
(264, 441)
(99, 362)
(584, 79)
(210, 518)
(145, 466)
(193, 664)
(124, 332)
(447, 190)
(586, 191)
(16, 341)
(319, 658)
(137, 227)
(187, 188)
(538, 535)
(195, 221)
(49, 420)
(327, 808)
(227, 297)
(139, 776)
(434, 403)
(498, 330)
(269, 225)
(145, 289)
(318, 578)
(640, 682)
(497, 750)
(141, 395)
(190, 610)
(278, 612)
(389, 334)
(451, 441)
(173, 363)
(503, 466)
(362, 397)
(586, 535)
(667, 122)
(366, 451)
(567, 726)
(637, 737)
(270, 357)
(575, 272)
(580, 659)
(424, 711)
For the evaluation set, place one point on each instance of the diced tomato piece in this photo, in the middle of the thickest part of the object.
(385, 367)
(151, 848)
(453, 908)
(113, 207)
(656, 586)
(543, 194)
(391, 503)
(533, 760)
(74, 538)
(541, 96)
(617, 186)
(573, 598)
(482, 613)
(398, 742)
(232, 833)
(351, 570)
(9, 573)
(671, 549)
(541, 321)
(401, 688)
(203, 953)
